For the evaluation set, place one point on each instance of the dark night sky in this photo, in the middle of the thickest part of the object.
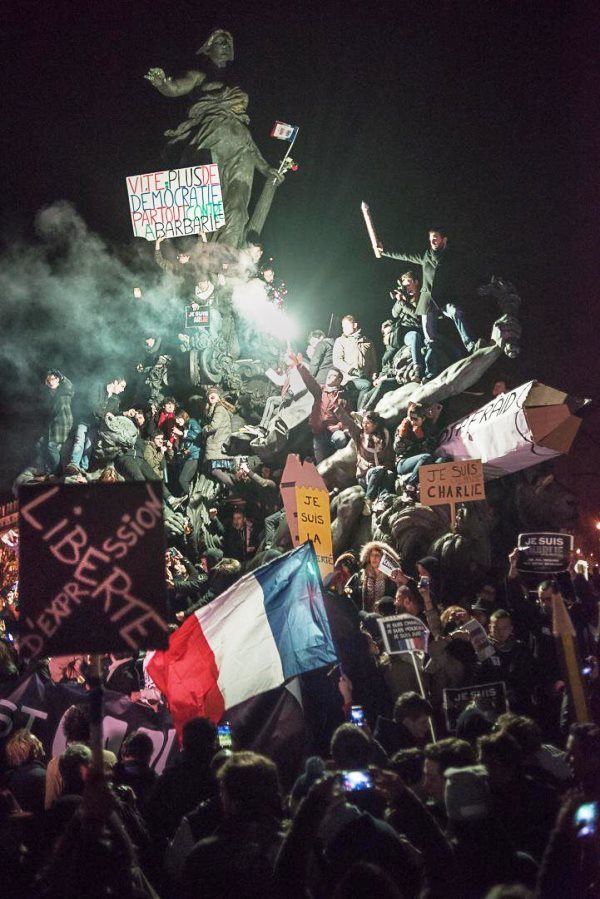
(477, 115)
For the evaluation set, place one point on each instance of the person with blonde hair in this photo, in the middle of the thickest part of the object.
(26, 777)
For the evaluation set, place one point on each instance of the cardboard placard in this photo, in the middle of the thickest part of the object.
(176, 202)
(314, 523)
(297, 473)
(403, 633)
(197, 318)
(490, 698)
(447, 483)
(92, 569)
(544, 552)
(515, 430)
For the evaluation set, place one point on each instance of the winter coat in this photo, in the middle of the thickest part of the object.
(356, 354)
(322, 360)
(192, 440)
(101, 403)
(217, 432)
(410, 442)
(322, 415)
(60, 416)
(156, 458)
(371, 449)
(439, 278)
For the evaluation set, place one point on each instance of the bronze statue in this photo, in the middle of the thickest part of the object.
(217, 121)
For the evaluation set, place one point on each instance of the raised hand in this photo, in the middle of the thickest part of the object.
(156, 77)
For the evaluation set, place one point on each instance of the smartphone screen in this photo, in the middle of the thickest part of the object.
(224, 735)
(352, 781)
(357, 715)
(586, 819)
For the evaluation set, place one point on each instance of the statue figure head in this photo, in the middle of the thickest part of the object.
(218, 47)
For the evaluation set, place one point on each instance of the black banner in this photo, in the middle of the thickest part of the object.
(489, 698)
(92, 569)
(40, 705)
(197, 318)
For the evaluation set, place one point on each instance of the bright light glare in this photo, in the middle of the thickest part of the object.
(251, 302)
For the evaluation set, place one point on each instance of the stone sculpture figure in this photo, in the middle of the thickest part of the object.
(217, 122)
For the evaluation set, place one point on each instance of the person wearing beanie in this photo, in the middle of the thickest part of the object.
(314, 769)
(484, 852)
(467, 793)
(449, 754)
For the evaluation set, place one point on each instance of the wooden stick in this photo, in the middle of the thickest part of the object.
(453, 516)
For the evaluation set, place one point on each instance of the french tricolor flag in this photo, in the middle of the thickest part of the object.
(283, 131)
(269, 627)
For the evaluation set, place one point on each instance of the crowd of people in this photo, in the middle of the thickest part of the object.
(397, 800)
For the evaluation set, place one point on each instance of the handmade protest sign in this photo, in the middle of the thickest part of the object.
(544, 553)
(176, 202)
(314, 523)
(197, 317)
(92, 570)
(403, 633)
(489, 698)
(449, 483)
(297, 473)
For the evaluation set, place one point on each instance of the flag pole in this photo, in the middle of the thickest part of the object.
(288, 151)
(412, 655)
(96, 713)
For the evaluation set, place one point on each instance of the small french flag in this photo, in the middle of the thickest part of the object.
(269, 627)
(282, 131)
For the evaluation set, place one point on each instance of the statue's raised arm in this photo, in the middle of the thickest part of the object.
(217, 124)
(174, 87)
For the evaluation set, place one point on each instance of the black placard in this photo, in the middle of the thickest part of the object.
(197, 318)
(544, 553)
(490, 698)
(91, 569)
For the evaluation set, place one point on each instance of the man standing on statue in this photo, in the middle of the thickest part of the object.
(439, 287)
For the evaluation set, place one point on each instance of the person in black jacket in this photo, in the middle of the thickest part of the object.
(320, 353)
(410, 727)
(439, 290)
(182, 786)
(239, 541)
(512, 663)
(121, 675)
(133, 768)
(105, 397)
